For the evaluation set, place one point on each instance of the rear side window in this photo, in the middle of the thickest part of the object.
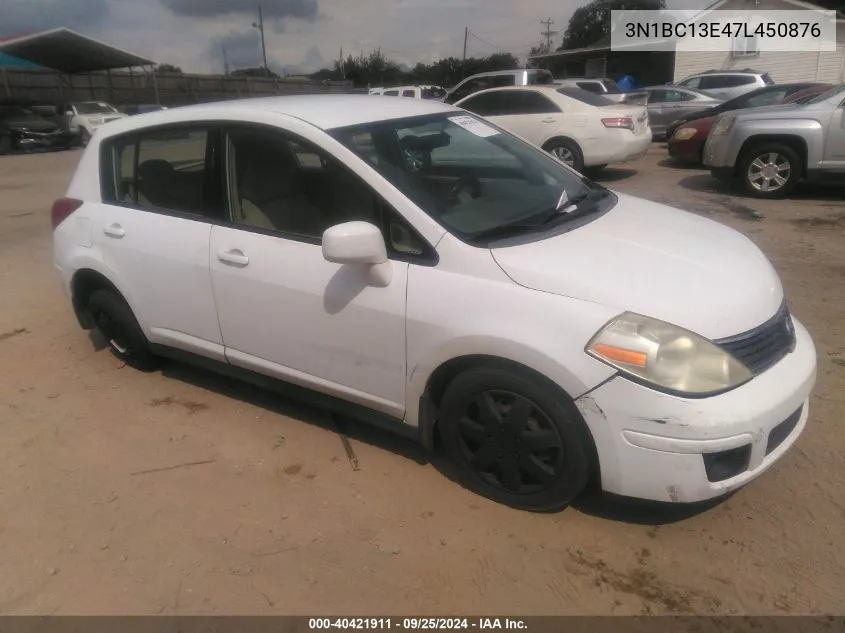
(694, 82)
(391, 93)
(168, 169)
(590, 86)
(484, 104)
(408, 93)
(585, 97)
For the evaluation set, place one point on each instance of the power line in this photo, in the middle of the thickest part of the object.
(497, 47)
(548, 33)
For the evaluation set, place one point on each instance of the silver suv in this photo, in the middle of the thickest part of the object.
(774, 147)
(727, 84)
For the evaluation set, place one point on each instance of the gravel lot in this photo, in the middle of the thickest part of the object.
(271, 518)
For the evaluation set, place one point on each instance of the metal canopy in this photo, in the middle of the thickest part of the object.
(70, 52)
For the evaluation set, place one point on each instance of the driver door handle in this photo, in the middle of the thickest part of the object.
(114, 230)
(233, 257)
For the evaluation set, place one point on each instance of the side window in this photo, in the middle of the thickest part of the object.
(487, 104)
(694, 83)
(535, 103)
(590, 86)
(288, 185)
(409, 93)
(391, 93)
(470, 87)
(657, 96)
(710, 82)
(168, 169)
(502, 81)
(675, 96)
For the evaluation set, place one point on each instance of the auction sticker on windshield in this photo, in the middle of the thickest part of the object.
(474, 125)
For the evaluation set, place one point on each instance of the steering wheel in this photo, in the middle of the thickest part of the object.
(470, 182)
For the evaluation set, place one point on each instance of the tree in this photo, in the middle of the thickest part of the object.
(168, 69)
(260, 71)
(590, 24)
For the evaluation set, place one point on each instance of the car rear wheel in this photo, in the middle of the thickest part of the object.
(770, 170)
(567, 152)
(515, 440)
(115, 321)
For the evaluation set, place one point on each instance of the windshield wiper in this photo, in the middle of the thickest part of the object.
(569, 208)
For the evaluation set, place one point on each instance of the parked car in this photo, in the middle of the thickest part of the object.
(413, 92)
(582, 129)
(667, 103)
(773, 148)
(768, 95)
(86, 117)
(688, 139)
(498, 79)
(144, 108)
(409, 263)
(22, 129)
(727, 84)
(606, 88)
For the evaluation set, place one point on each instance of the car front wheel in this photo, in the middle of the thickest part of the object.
(770, 170)
(84, 137)
(515, 439)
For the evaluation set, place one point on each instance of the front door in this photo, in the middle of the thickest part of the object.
(834, 154)
(285, 311)
(153, 228)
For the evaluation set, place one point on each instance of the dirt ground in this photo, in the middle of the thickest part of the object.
(271, 518)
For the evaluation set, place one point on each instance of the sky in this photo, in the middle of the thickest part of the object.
(301, 35)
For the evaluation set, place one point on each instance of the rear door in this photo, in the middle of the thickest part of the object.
(529, 114)
(162, 190)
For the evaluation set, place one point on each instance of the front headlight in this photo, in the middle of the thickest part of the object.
(685, 134)
(723, 125)
(666, 356)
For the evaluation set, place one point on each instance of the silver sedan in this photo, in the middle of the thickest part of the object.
(667, 103)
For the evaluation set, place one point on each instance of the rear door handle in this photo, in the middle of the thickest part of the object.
(549, 119)
(114, 230)
(234, 257)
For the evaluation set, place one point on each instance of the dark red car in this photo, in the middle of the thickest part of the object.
(687, 141)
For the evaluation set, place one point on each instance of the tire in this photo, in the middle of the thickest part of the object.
(114, 319)
(5, 145)
(763, 167)
(84, 137)
(567, 152)
(495, 459)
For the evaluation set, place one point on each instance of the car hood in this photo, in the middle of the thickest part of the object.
(766, 112)
(34, 124)
(657, 261)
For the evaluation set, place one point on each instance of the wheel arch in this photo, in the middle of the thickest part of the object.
(563, 137)
(795, 142)
(84, 282)
(438, 381)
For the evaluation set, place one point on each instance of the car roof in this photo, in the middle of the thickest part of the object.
(322, 111)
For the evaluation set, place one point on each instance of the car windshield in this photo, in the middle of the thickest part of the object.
(836, 90)
(94, 108)
(476, 180)
(585, 96)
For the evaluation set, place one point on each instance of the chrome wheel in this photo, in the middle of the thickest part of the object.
(511, 443)
(769, 172)
(564, 155)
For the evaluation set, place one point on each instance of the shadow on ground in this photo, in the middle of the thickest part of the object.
(673, 163)
(611, 174)
(705, 183)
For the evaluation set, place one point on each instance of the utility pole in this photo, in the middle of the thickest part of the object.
(548, 33)
(260, 27)
(225, 61)
(466, 37)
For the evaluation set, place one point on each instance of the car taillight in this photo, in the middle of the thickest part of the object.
(623, 123)
(62, 208)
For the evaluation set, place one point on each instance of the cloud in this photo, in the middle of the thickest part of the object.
(243, 49)
(274, 9)
(26, 16)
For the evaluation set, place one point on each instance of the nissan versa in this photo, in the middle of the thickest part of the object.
(407, 262)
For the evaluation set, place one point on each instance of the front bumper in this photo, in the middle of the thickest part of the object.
(33, 140)
(653, 445)
(718, 153)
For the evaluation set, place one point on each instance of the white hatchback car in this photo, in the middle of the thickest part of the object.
(581, 128)
(408, 263)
